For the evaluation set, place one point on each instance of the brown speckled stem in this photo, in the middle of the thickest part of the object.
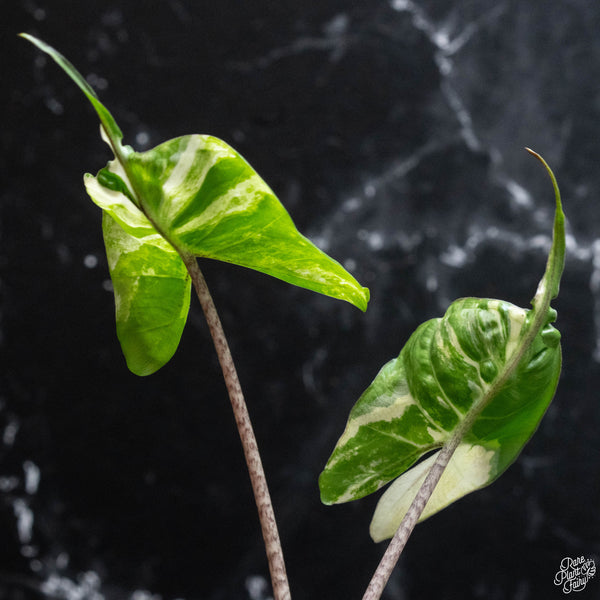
(281, 589)
(393, 551)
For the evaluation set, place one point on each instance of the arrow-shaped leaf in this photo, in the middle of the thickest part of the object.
(481, 376)
(209, 202)
(192, 196)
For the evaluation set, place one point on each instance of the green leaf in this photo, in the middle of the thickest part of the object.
(112, 130)
(152, 296)
(209, 202)
(190, 196)
(482, 375)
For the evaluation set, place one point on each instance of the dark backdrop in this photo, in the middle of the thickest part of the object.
(393, 132)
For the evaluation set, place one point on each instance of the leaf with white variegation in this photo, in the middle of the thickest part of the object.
(152, 296)
(192, 196)
(481, 376)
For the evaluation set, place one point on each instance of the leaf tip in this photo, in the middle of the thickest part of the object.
(327, 498)
(547, 166)
(363, 301)
(30, 38)
(35, 41)
(552, 177)
(549, 285)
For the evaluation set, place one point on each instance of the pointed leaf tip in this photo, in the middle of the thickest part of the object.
(108, 122)
(548, 287)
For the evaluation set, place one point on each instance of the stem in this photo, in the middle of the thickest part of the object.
(392, 554)
(281, 589)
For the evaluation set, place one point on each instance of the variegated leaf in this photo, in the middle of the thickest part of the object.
(190, 196)
(152, 296)
(484, 372)
(209, 202)
(151, 284)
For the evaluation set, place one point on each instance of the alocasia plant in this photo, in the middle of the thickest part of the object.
(470, 387)
(195, 196)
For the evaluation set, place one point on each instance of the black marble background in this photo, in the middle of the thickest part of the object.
(393, 131)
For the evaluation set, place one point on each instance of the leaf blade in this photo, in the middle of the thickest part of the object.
(209, 202)
(484, 374)
(152, 290)
(474, 461)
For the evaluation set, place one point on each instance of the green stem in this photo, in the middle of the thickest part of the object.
(281, 590)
